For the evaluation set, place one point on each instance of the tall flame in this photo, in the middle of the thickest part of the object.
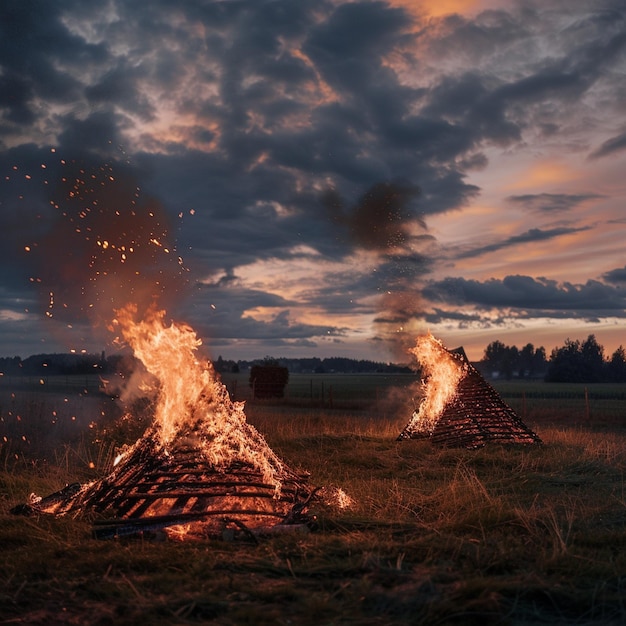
(441, 374)
(192, 402)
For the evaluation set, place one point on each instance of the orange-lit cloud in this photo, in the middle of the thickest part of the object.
(542, 174)
(438, 8)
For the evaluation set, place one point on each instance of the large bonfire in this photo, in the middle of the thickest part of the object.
(192, 402)
(200, 468)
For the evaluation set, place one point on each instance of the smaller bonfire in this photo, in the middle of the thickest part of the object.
(459, 408)
(199, 470)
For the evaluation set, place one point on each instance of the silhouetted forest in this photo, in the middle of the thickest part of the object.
(314, 365)
(574, 361)
(61, 364)
(69, 364)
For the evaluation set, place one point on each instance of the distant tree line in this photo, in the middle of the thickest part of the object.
(314, 365)
(510, 362)
(575, 361)
(66, 364)
(69, 364)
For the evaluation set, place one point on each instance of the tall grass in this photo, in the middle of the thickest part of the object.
(500, 535)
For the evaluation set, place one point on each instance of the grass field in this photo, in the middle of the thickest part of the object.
(501, 535)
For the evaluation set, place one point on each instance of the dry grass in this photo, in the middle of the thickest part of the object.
(530, 535)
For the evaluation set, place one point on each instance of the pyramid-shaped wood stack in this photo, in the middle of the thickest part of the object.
(155, 488)
(475, 415)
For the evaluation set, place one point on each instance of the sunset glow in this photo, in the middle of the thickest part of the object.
(361, 172)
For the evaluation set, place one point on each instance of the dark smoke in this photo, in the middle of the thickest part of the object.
(381, 219)
(385, 220)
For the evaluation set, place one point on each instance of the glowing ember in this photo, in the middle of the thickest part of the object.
(336, 497)
(441, 376)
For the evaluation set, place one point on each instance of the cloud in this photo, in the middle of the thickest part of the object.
(232, 120)
(610, 146)
(480, 37)
(552, 202)
(502, 86)
(531, 297)
(616, 276)
(39, 53)
(530, 236)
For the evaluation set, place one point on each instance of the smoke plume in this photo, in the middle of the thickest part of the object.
(385, 220)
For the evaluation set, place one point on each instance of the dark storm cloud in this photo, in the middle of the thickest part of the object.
(501, 109)
(531, 297)
(376, 120)
(552, 202)
(368, 134)
(279, 327)
(610, 146)
(234, 117)
(480, 36)
(462, 318)
(350, 44)
(98, 133)
(34, 47)
(530, 236)
(119, 86)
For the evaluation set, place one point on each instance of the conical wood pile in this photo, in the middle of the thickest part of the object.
(474, 416)
(155, 488)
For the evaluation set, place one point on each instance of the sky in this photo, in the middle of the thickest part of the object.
(314, 178)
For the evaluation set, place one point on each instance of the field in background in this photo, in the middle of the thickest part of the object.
(532, 535)
(360, 391)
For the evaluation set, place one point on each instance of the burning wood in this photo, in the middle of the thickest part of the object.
(199, 469)
(179, 490)
(459, 408)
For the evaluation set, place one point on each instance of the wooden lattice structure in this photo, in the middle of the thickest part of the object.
(474, 416)
(153, 488)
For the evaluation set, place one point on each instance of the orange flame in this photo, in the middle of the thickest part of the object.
(193, 405)
(441, 374)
